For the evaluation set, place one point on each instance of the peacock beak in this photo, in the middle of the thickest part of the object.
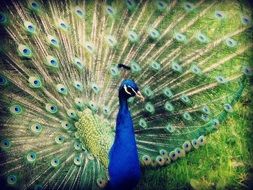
(139, 95)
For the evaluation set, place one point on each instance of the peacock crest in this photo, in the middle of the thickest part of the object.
(61, 67)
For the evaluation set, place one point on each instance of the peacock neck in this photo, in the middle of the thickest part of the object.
(124, 119)
(123, 105)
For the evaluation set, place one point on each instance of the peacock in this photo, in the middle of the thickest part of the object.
(74, 75)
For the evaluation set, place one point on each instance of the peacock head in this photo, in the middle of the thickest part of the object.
(129, 88)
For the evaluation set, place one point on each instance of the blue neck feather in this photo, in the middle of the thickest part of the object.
(124, 167)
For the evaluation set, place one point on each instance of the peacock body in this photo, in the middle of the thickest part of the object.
(59, 80)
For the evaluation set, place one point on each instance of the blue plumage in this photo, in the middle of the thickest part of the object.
(124, 166)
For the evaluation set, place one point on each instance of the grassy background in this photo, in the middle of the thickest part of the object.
(225, 162)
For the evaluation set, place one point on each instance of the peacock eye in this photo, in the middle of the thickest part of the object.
(12, 179)
(114, 71)
(163, 152)
(36, 128)
(185, 99)
(135, 67)
(53, 41)
(79, 12)
(153, 33)
(201, 140)
(110, 11)
(35, 82)
(101, 182)
(51, 108)
(176, 67)
(215, 123)
(90, 47)
(66, 125)
(221, 80)
(246, 70)
(230, 42)
(59, 139)
(146, 159)
(187, 116)
(173, 155)
(148, 92)
(195, 143)
(63, 25)
(170, 128)
(35, 6)
(180, 37)
(16, 109)
(131, 5)
(160, 160)
(133, 37)
(161, 6)
(77, 160)
(52, 62)
(77, 145)
(167, 92)
(188, 6)
(245, 20)
(202, 38)
(143, 123)
(62, 89)
(196, 70)
(55, 162)
(78, 63)
(155, 66)
(78, 86)
(95, 88)
(149, 107)
(111, 41)
(31, 156)
(206, 110)
(90, 157)
(228, 108)
(30, 27)
(79, 103)
(180, 152)
(72, 114)
(3, 18)
(106, 110)
(187, 146)
(3, 80)
(93, 106)
(5, 144)
(219, 15)
(24, 51)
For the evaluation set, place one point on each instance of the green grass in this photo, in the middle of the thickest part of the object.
(225, 162)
